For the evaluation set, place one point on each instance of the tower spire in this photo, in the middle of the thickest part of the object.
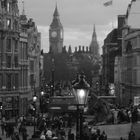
(23, 11)
(94, 28)
(56, 11)
(94, 33)
(94, 44)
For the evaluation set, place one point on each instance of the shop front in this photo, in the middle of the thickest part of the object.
(10, 107)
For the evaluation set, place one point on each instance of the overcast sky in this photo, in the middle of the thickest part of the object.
(77, 17)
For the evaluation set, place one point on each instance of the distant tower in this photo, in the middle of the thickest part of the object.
(56, 34)
(23, 17)
(69, 49)
(94, 47)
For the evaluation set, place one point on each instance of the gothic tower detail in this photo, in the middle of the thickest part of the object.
(56, 34)
(94, 47)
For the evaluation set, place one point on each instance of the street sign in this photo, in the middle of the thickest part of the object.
(136, 100)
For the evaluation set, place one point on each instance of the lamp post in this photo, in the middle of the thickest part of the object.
(41, 102)
(81, 91)
(34, 109)
(52, 78)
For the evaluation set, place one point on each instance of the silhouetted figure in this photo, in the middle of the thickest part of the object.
(131, 135)
(103, 136)
(24, 134)
(2, 128)
(134, 115)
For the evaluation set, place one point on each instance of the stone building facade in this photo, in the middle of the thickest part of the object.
(128, 64)
(19, 59)
(9, 57)
(131, 65)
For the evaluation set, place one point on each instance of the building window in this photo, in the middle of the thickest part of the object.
(8, 45)
(15, 42)
(129, 62)
(0, 61)
(129, 76)
(32, 66)
(1, 81)
(134, 42)
(16, 81)
(15, 25)
(134, 61)
(21, 50)
(138, 77)
(9, 23)
(1, 23)
(128, 47)
(135, 76)
(8, 81)
(8, 7)
(16, 61)
(32, 80)
(25, 51)
(8, 62)
(138, 60)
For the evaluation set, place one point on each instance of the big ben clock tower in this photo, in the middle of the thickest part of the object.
(56, 34)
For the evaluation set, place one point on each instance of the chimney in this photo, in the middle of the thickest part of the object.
(83, 49)
(86, 48)
(79, 48)
(76, 49)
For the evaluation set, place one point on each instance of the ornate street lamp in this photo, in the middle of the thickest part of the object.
(42, 93)
(81, 91)
(52, 77)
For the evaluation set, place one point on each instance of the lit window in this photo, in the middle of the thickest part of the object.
(8, 7)
(9, 23)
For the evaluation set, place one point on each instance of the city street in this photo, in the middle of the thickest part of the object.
(71, 68)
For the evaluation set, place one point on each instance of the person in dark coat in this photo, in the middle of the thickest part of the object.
(17, 136)
(24, 134)
(2, 128)
(131, 135)
(103, 136)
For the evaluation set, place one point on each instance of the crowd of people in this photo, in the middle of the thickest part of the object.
(50, 128)
(122, 114)
(60, 127)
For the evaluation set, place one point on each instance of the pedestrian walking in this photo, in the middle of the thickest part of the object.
(2, 128)
(70, 135)
(24, 134)
(16, 136)
(131, 135)
(103, 136)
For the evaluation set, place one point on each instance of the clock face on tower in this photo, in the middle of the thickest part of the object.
(54, 34)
